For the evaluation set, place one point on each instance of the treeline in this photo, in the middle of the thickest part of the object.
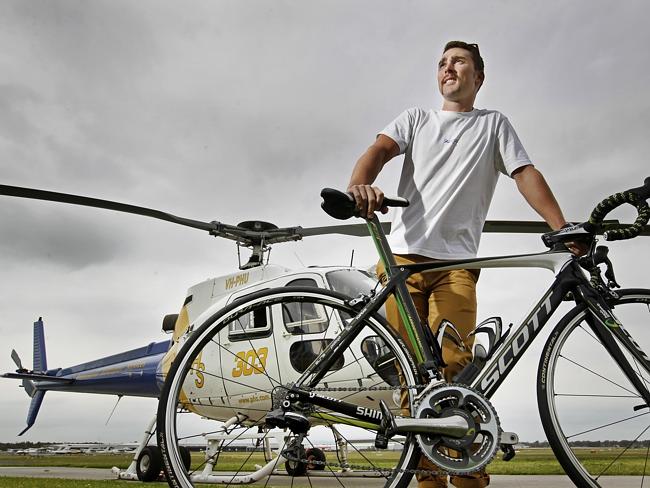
(23, 445)
(623, 443)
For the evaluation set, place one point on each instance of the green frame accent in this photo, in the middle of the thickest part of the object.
(374, 232)
(345, 420)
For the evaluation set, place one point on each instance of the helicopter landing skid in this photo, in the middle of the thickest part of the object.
(131, 472)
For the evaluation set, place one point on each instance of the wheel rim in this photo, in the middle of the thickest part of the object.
(591, 402)
(181, 427)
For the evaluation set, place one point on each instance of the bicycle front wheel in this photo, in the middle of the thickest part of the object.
(238, 366)
(595, 420)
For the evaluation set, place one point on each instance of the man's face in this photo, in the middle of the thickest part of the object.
(458, 80)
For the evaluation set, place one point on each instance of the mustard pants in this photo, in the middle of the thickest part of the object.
(438, 296)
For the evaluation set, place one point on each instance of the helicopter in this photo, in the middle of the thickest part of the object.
(267, 341)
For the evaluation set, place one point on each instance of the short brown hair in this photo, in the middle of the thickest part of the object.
(472, 48)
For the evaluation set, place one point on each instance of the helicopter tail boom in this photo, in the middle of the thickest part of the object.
(131, 373)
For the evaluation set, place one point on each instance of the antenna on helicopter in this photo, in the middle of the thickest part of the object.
(110, 416)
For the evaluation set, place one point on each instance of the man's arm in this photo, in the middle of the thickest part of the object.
(532, 185)
(369, 198)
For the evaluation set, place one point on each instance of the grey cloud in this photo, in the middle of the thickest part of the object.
(105, 42)
(53, 237)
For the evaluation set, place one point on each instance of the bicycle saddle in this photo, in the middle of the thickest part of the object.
(338, 204)
(342, 206)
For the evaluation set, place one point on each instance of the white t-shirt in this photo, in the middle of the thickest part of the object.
(452, 161)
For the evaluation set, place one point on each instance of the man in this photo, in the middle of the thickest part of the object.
(452, 160)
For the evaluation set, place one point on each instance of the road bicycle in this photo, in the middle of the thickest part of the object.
(592, 382)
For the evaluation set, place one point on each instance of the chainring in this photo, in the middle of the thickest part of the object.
(478, 447)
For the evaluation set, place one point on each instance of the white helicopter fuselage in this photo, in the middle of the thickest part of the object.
(238, 370)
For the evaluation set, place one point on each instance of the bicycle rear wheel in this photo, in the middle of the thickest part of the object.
(237, 367)
(595, 420)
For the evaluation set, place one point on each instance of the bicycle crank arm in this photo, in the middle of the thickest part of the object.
(453, 426)
(509, 438)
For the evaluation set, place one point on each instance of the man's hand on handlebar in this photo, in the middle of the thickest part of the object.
(368, 199)
(578, 248)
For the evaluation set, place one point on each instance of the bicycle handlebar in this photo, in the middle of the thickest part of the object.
(636, 197)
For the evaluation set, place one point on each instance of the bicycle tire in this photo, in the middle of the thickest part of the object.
(179, 395)
(585, 400)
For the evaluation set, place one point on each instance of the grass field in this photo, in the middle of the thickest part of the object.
(527, 462)
(54, 483)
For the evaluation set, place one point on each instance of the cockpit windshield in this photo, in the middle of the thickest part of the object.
(351, 282)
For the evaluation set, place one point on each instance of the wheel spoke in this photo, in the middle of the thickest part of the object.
(593, 395)
(622, 452)
(606, 425)
(645, 464)
(599, 375)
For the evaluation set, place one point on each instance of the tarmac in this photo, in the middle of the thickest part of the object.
(497, 481)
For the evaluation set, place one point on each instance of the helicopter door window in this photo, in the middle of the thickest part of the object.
(256, 323)
(381, 359)
(302, 317)
(303, 353)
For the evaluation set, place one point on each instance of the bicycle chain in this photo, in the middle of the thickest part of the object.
(370, 388)
(376, 469)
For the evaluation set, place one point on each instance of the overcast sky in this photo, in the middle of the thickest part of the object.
(233, 111)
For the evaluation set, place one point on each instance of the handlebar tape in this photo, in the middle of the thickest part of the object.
(636, 197)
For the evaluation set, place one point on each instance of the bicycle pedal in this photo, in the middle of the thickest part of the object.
(508, 452)
(381, 442)
(507, 445)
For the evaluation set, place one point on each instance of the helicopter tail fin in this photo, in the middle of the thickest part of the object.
(40, 366)
(40, 358)
(34, 407)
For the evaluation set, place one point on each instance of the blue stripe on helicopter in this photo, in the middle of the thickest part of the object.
(154, 348)
(132, 373)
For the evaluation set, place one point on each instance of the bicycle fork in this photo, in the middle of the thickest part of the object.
(606, 327)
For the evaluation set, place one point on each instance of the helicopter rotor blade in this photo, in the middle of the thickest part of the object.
(516, 227)
(16, 358)
(537, 227)
(491, 226)
(357, 230)
(251, 235)
(33, 193)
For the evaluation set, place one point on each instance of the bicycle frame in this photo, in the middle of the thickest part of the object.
(569, 278)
